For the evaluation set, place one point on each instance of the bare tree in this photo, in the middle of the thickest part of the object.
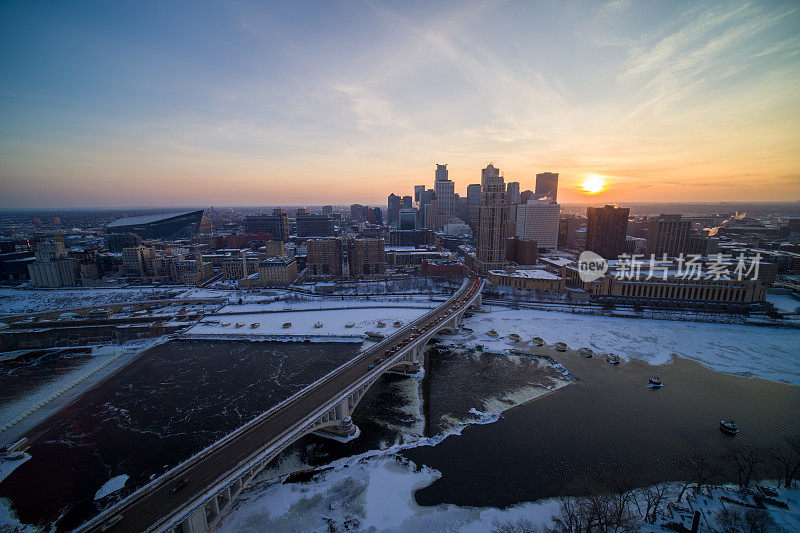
(758, 521)
(569, 519)
(703, 469)
(654, 496)
(522, 525)
(619, 516)
(730, 519)
(747, 461)
(794, 443)
(596, 511)
(786, 456)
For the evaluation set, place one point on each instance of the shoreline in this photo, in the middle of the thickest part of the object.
(301, 488)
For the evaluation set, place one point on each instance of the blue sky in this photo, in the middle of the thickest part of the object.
(196, 103)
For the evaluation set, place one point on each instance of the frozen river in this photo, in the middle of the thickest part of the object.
(172, 402)
(432, 449)
(767, 352)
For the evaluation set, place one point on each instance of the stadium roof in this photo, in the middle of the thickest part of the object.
(148, 219)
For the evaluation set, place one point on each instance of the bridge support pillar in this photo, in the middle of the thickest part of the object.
(345, 431)
(409, 367)
(410, 363)
(214, 507)
(196, 523)
(477, 303)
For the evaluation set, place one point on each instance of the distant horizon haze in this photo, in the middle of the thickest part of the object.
(611, 195)
(568, 207)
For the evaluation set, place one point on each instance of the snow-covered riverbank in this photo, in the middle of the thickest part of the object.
(769, 353)
(21, 301)
(375, 492)
(332, 322)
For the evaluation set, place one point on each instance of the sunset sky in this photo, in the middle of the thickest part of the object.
(251, 103)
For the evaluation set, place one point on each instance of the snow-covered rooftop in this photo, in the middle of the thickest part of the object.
(527, 274)
(407, 249)
(560, 261)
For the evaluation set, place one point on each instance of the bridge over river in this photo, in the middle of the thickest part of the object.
(195, 495)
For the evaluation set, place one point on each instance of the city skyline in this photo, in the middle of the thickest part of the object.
(122, 105)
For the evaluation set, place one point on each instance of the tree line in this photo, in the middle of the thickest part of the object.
(633, 509)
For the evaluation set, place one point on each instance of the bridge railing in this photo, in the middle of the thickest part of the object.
(177, 470)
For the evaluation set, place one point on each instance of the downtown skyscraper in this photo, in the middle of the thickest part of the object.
(547, 186)
(667, 234)
(473, 205)
(445, 191)
(492, 216)
(512, 193)
(538, 221)
(606, 228)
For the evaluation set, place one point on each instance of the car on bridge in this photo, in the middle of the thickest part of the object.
(180, 484)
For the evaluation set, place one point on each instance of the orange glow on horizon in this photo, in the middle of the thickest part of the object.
(593, 184)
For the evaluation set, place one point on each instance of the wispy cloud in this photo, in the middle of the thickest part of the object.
(699, 93)
(615, 5)
(710, 43)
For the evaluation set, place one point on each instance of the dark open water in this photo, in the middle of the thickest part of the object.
(608, 430)
(36, 368)
(400, 409)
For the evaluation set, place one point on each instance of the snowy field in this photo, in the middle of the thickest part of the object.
(375, 493)
(333, 322)
(769, 353)
(367, 492)
(415, 285)
(17, 302)
(294, 304)
(421, 287)
(232, 294)
(784, 302)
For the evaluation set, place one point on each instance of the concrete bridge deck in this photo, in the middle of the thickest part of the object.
(195, 495)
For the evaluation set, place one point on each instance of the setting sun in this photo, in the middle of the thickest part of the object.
(593, 184)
